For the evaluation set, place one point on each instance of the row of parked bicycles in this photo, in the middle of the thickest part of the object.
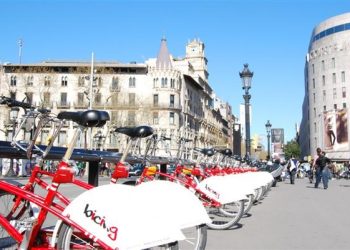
(157, 210)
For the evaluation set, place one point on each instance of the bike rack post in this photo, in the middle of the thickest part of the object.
(163, 171)
(94, 170)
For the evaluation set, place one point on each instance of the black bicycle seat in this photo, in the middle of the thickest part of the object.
(135, 132)
(226, 151)
(89, 118)
(207, 151)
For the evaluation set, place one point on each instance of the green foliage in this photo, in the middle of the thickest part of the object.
(292, 148)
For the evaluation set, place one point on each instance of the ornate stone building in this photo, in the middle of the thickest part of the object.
(172, 95)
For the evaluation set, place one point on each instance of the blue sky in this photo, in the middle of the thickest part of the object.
(271, 35)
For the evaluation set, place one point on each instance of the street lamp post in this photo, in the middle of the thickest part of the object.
(268, 126)
(13, 118)
(246, 75)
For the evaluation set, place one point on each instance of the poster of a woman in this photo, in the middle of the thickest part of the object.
(342, 129)
(329, 128)
(336, 130)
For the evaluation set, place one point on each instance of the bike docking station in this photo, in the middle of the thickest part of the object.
(93, 157)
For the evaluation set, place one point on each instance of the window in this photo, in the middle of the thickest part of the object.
(114, 100)
(29, 96)
(13, 95)
(334, 78)
(323, 80)
(313, 68)
(315, 127)
(324, 108)
(47, 81)
(47, 98)
(63, 99)
(172, 118)
(314, 112)
(80, 99)
(164, 82)
(335, 106)
(343, 90)
(30, 81)
(344, 105)
(313, 83)
(324, 95)
(343, 76)
(172, 83)
(322, 65)
(81, 81)
(131, 118)
(99, 81)
(333, 62)
(64, 81)
(98, 98)
(13, 81)
(155, 82)
(115, 83)
(172, 101)
(334, 93)
(132, 82)
(155, 99)
(132, 99)
(155, 118)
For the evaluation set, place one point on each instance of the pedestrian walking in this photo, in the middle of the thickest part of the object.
(292, 169)
(322, 171)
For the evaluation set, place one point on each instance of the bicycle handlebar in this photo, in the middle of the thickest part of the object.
(14, 103)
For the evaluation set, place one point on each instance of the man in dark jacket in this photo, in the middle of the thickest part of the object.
(322, 171)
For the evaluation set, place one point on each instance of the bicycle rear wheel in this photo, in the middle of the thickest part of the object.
(68, 239)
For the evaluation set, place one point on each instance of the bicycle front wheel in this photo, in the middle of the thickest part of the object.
(196, 238)
(23, 211)
(226, 216)
(68, 239)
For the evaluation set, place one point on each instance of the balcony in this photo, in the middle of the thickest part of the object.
(63, 105)
(45, 104)
(162, 106)
(81, 105)
(114, 89)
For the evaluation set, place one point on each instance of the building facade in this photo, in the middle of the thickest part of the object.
(173, 95)
(327, 84)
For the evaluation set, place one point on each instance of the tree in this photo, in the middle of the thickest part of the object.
(292, 148)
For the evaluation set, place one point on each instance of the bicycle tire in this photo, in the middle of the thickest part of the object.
(23, 211)
(248, 204)
(196, 238)
(65, 241)
(225, 216)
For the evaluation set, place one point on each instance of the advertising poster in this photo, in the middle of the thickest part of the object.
(277, 139)
(336, 130)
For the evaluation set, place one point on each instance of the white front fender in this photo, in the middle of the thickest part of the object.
(118, 216)
(221, 189)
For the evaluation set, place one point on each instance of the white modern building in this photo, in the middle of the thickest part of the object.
(173, 95)
(327, 84)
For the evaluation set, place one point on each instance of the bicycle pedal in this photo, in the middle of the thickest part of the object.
(25, 224)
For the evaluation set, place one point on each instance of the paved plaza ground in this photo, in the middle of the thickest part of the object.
(293, 217)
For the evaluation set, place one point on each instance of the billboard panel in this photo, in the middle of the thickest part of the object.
(335, 125)
(277, 135)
